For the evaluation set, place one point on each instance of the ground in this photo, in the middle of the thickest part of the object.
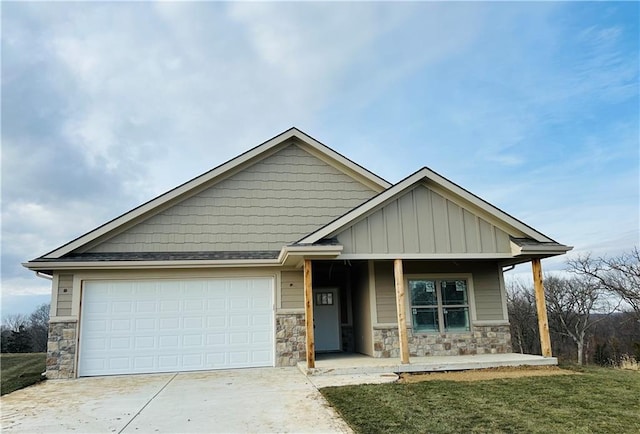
(486, 374)
(587, 400)
(21, 370)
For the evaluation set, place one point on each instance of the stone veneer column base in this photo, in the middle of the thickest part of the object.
(61, 350)
(290, 339)
(489, 339)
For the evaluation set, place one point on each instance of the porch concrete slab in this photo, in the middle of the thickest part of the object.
(358, 364)
(230, 401)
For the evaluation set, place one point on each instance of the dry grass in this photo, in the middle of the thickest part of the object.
(486, 374)
(629, 363)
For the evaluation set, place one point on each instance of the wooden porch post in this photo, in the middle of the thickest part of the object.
(541, 306)
(400, 304)
(308, 315)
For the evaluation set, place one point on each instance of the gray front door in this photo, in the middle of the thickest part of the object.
(326, 316)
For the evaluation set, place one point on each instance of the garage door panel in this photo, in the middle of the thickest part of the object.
(160, 326)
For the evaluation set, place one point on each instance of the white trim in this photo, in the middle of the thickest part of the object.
(130, 265)
(278, 295)
(289, 311)
(55, 283)
(212, 175)
(487, 322)
(382, 256)
(57, 319)
(503, 294)
(75, 295)
(543, 249)
(427, 175)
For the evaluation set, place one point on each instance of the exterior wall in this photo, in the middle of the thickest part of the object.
(362, 321)
(290, 339)
(267, 205)
(486, 286)
(64, 295)
(61, 350)
(424, 221)
(292, 289)
(481, 340)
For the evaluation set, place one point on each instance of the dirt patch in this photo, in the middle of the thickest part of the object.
(485, 374)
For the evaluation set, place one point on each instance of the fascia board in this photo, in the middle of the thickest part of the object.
(429, 175)
(372, 203)
(323, 151)
(209, 176)
(486, 206)
(124, 265)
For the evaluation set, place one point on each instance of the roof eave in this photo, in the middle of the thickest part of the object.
(210, 176)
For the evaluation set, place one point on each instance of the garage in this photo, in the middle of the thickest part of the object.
(148, 326)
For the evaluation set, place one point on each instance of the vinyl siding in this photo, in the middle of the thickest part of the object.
(274, 202)
(65, 294)
(423, 221)
(486, 285)
(385, 293)
(292, 289)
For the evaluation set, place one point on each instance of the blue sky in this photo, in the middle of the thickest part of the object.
(532, 106)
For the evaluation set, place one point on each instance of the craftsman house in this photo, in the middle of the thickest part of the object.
(285, 251)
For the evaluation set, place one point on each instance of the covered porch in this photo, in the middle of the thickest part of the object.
(360, 364)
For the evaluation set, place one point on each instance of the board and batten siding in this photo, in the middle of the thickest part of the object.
(486, 285)
(423, 221)
(292, 289)
(64, 295)
(271, 203)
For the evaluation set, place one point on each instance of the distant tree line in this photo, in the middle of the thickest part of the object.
(593, 313)
(26, 333)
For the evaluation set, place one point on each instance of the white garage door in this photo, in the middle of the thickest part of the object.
(169, 325)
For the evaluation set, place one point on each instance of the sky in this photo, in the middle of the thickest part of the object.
(532, 106)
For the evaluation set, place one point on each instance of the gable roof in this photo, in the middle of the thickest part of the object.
(517, 229)
(220, 172)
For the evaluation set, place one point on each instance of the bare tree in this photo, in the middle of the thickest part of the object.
(522, 318)
(571, 303)
(39, 327)
(14, 321)
(619, 275)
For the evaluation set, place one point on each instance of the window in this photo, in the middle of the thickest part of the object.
(439, 305)
(324, 299)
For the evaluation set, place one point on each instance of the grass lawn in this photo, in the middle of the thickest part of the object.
(596, 400)
(20, 370)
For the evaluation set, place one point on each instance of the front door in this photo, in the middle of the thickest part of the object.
(326, 316)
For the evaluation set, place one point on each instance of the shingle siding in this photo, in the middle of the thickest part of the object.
(263, 207)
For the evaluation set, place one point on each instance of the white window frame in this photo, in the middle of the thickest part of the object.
(468, 277)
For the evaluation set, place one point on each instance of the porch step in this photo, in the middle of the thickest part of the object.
(362, 365)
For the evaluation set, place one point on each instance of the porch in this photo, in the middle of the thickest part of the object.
(360, 364)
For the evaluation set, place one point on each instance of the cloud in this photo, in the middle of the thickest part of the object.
(533, 106)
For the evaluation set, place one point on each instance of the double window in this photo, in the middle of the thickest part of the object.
(439, 305)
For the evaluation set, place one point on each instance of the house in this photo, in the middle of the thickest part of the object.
(284, 251)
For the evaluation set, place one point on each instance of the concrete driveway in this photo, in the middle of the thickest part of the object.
(240, 400)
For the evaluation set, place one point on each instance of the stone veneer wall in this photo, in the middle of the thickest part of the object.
(290, 339)
(61, 350)
(494, 339)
